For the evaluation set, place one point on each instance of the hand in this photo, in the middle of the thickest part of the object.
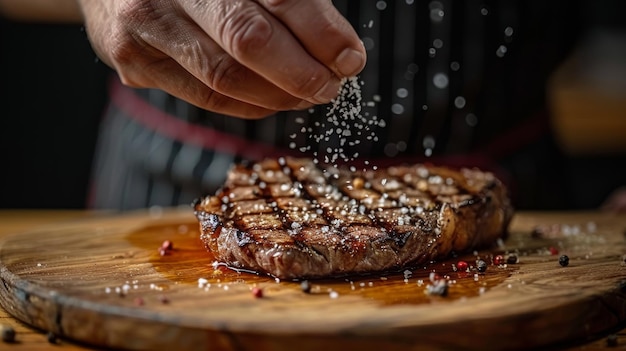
(246, 58)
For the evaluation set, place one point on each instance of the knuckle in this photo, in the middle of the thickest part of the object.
(129, 54)
(213, 101)
(245, 32)
(224, 74)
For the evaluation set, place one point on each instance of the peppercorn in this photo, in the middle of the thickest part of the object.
(462, 266)
(553, 251)
(52, 338)
(305, 286)
(8, 333)
(564, 260)
(257, 292)
(498, 260)
(481, 266)
(512, 259)
(167, 245)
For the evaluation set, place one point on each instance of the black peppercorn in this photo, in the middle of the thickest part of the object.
(8, 333)
(52, 338)
(481, 266)
(564, 260)
(512, 259)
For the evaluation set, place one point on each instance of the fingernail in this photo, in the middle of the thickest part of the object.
(350, 62)
(328, 92)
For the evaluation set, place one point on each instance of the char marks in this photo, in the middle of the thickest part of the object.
(292, 219)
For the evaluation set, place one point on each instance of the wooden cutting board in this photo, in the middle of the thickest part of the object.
(103, 281)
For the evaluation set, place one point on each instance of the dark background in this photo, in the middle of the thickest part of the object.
(53, 92)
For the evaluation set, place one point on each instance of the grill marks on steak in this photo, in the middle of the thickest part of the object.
(291, 219)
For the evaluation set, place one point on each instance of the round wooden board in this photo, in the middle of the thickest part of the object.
(102, 281)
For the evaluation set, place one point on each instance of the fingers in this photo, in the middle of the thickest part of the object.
(155, 69)
(323, 32)
(169, 76)
(188, 45)
(261, 42)
(239, 57)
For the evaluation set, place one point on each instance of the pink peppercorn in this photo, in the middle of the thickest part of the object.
(498, 260)
(167, 245)
(462, 266)
(257, 292)
(553, 251)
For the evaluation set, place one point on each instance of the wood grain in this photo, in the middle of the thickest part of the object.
(63, 278)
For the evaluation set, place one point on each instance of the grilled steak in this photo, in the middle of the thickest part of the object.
(293, 219)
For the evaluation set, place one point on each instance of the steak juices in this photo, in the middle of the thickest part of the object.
(294, 219)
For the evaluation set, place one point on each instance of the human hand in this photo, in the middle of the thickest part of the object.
(246, 58)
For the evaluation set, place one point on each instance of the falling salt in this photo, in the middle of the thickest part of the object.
(459, 102)
(345, 124)
(440, 80)
(501, 51)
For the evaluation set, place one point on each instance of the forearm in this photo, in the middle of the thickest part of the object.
(55, 11)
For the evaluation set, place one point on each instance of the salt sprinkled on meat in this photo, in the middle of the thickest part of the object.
(344, 126)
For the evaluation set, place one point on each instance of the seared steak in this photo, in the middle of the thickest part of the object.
(292, 218)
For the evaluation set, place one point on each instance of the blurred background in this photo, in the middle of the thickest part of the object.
(54, 90)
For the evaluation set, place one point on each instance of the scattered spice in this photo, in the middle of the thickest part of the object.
(462, 266)
(553, 251)
(8, 333)
(498, 260)
(139, 301)
(166, 248)
(481, 266)
(564, 260)
(167, 245)
(52, 338)
(305, 286)
(164, 300)
(512, 259)
(433, 276)
(439, 287)
(257, 292)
